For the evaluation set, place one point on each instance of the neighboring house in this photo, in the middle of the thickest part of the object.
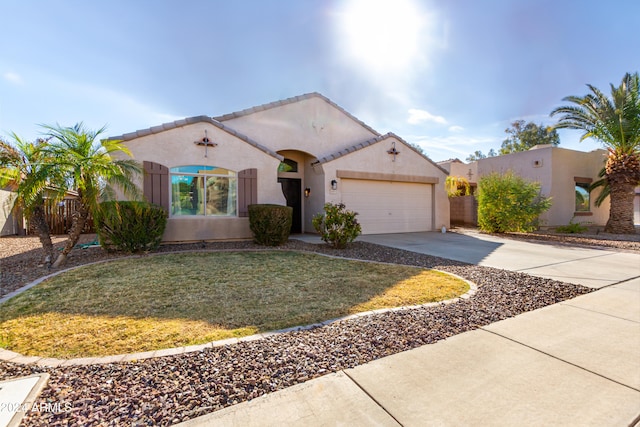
(564, 174)
(10, 219)
(303, 152)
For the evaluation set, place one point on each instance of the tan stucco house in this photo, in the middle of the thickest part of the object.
(10, 220)
(302, 152)
(564, 174)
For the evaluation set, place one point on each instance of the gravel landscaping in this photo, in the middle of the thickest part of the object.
(163, 391)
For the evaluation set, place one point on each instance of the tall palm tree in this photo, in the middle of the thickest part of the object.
(35, 181)
(615, 122)
(91, 171)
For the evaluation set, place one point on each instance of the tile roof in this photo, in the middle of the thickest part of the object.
(372, 141)
(191, 120)
(292, 100)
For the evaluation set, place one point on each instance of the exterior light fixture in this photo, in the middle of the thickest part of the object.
(334, 184)
(206, 142)
(307, 192)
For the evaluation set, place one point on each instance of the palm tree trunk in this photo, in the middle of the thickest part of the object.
(74, 235)
(621, 210)
(39, 219)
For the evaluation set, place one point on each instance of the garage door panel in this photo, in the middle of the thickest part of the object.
(389, 207)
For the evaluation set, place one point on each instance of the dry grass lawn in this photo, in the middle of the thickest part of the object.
(163, 301)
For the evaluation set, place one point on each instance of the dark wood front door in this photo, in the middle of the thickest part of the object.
(292, 190)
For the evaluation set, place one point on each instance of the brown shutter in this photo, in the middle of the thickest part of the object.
(156, 184)
(247, 190)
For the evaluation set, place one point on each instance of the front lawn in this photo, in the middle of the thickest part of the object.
(173, 300)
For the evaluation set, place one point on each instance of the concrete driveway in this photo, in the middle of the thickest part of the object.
(575, 363)
(594, 268)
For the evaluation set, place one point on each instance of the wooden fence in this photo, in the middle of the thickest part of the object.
(60, 218)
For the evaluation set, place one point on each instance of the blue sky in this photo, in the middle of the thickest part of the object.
(449, 75)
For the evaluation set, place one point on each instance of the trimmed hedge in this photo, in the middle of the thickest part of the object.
(270, 224)
(129, 226)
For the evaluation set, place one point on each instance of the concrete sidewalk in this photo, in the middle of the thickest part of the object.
(576, 363)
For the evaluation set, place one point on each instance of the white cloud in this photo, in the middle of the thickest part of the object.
(456, 129)
(12, 77)
(419, 116)
(447, 147)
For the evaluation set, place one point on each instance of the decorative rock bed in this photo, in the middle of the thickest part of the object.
(166, 390)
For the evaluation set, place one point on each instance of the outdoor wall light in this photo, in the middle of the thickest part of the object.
(334, 184)
(307, 192)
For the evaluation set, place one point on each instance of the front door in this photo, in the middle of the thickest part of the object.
(292, 190)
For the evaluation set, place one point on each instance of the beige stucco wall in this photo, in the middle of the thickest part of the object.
(469, 171)
(568, 164)
(176, 147)
(375, 158)
(311, 125)
(8, 223)
(555, 169)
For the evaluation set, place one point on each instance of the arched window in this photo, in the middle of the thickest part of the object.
(203, 190)
(288, 165)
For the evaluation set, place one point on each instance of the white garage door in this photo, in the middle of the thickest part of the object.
(389, 207)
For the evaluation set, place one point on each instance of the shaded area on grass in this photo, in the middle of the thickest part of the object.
(164, 391)
(149, 303)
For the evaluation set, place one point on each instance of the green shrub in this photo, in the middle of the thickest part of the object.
(337, 225)
(130, 226)
(509, 203)
(572, 228)
(270, 224)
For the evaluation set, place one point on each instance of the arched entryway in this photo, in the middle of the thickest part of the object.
(302, 188)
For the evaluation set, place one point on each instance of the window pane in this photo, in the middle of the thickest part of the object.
(582, 197)
(187, 195)
(288, 165)
(221, 196)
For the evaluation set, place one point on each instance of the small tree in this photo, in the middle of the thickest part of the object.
(523, 136)
(509, 203)
(35, 180)
(457, 186)
(90, 171)
(337, 225)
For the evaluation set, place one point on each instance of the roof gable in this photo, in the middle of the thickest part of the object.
(189, 121)
(374, 141)
(293, 100)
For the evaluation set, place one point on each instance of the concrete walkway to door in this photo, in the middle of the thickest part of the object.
(576, 363)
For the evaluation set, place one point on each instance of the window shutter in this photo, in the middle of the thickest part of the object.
(247, 190)
(156, 184)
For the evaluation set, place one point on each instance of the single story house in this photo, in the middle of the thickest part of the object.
(303, 151)
(564, 174)
(10, 219)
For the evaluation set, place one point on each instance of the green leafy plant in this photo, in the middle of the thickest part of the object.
(337, 225)
(571, 228)
(130, 226)
(270, 224)
(509, 203)
(457, 186)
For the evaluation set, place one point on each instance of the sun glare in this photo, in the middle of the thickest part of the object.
(382, 34)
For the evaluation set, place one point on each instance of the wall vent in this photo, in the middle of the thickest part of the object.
(537, 163)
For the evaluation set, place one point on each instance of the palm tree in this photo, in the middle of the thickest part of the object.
(35, 180)
(90, 171)
(615, 122)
